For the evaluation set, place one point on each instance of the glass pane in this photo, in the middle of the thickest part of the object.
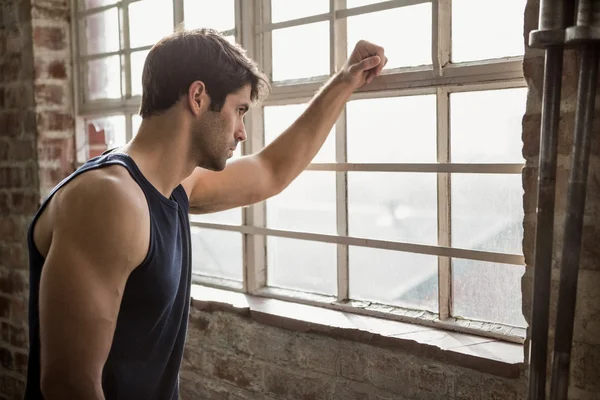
(218, 15)
(397, 130)
(393, 277)
(227, 217)
(302, 265)
(487, 291)
(97, 3)
(112, 128)
(404, 33)
(138, 59)
(393, 206)
(486, 126)
(487, 37)
(296, 62)
(281, 10)
(487, 212)
(307, 204)
(360, 3)
(101, 32)
(279, 118)
(104, 78)
(149, 21)
(136, 121)
(217, 253)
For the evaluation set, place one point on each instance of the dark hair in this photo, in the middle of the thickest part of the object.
(203, 55)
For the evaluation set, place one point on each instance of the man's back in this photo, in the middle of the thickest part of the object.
(112, 297)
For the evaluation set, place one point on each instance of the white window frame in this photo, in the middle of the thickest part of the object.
(253, 31)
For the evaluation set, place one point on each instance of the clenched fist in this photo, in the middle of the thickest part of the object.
(365, 63)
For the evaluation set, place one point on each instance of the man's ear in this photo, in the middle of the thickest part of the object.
(198, 99)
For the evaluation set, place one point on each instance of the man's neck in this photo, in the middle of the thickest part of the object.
(161, 151)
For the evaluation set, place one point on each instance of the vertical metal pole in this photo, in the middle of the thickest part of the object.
(588, 39)
(551, 37)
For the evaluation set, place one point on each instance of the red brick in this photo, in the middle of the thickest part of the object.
(54, 121)
(57, 70)
(6, 358)
(2, 97)
(4, 307)
(24, 202)
(20, 361)
(10, 69)
(58, 149)
(22, 150)
(49, 95)
(49, 11)
(12, 387)
(51, 38)
(4, 146)
(16, 336)
(10, 123)
(96, 151)
(12, 281)
(95, 136)
(19, 311)
(15, 177)
(282, 384)
(52, 176)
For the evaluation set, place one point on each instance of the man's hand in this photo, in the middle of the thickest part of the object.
(365, 63)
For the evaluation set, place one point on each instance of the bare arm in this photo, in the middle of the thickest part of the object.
(100, 234)
(257, 177)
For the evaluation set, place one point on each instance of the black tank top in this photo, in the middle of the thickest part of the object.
(148, 342)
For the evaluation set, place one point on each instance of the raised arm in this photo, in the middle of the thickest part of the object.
(257, 177)
(100, 233)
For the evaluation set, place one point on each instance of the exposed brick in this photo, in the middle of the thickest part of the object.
(585, 368)
(59, 150)
(57, 70)
(20, 362)
(50, 95)
(234, 370)
(23, 202)
(50, 11)
(12, 387)
(12, 281)
(10, 123)
(285, 385)
(4, 150)
(10, 69)
(16, 336)
(12, 255)
(19, 310)
(52, 176)
(4, 307)
(6, 358)
(22, 150)
(54, 121)
(50, 38)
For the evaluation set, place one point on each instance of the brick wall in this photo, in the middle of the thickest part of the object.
(585, 362)
(36, 151)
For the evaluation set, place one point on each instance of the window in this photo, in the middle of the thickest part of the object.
(412, 209)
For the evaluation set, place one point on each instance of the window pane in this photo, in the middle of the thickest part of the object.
(218, 15)
(294, 62)
(404, 33)
(486, 126)
(136, 121)
(360, 3)
(487, 212)
(217, 253)
(227, 217)
(281, 10)
(279, 118)
(497, 32)
(302, 265)
(307, 204)
(97, 3)
(149, 21)
(393, 277)
(393, 206)
(104, 78)
(397, 130)
(138, 59)
(487, 291)
(101, 32)
(112, 128)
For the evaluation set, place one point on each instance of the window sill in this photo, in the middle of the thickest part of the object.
(485, 355)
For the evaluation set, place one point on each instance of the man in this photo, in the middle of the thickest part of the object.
(110, 247)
